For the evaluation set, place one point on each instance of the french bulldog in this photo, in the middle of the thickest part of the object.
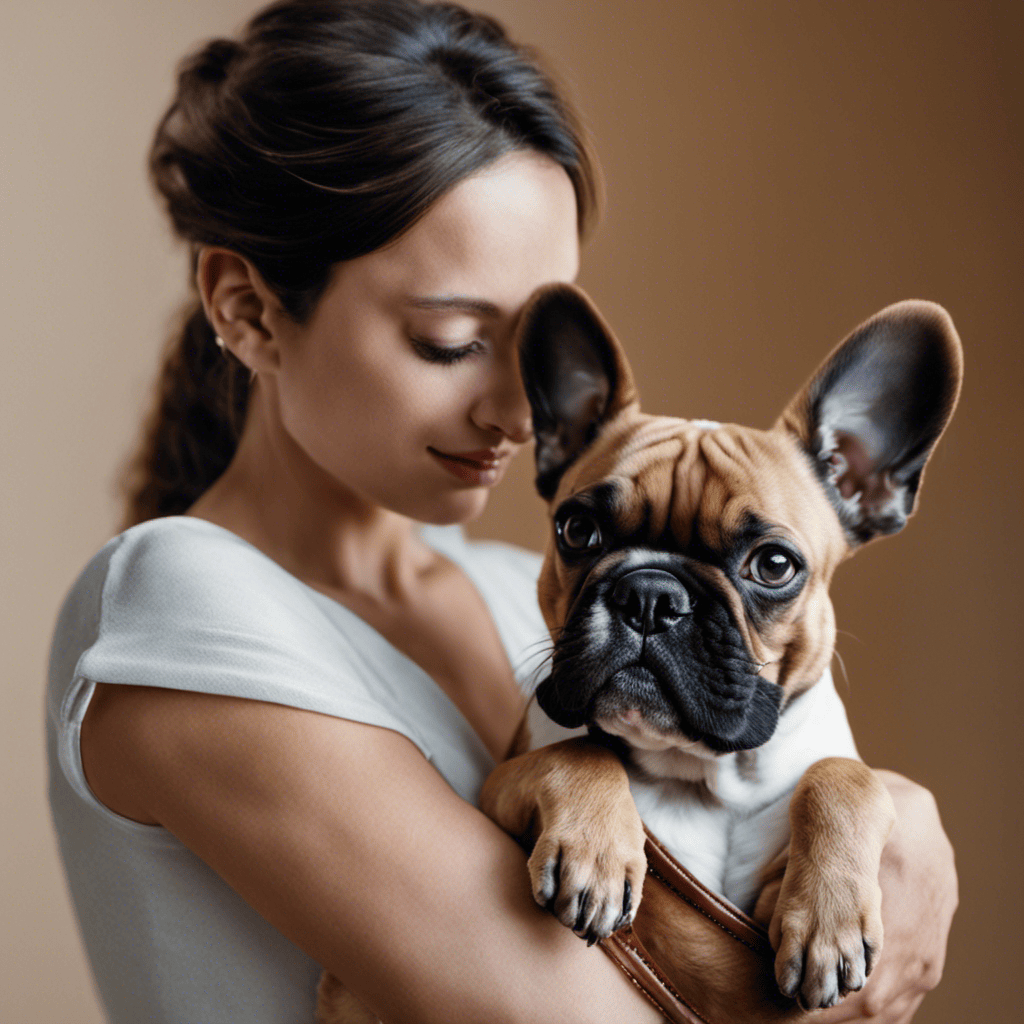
(685, 587)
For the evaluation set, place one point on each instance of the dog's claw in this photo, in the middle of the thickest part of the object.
(581, 915)
(548, 881)
(870, 955)
(791, 974)
(853, 971)
(626, 915)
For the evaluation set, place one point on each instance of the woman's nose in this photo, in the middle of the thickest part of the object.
(503, 406)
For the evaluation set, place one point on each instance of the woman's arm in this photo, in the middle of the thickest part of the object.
(919, 897)
(346, 839)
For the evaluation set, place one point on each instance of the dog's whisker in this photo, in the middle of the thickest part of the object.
(540, 644)
(531, 652)
(842, 665)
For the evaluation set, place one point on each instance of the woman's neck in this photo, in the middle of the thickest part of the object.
(274, 496)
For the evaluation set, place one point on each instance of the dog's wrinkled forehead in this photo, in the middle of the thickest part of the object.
(696, 485)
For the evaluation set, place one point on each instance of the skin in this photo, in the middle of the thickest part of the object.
(334, 465)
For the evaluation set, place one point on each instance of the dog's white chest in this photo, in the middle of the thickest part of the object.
(725, 845)
(727, 828)
(724, 818)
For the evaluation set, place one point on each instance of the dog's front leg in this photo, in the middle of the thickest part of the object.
(826, 927)
(571, 802)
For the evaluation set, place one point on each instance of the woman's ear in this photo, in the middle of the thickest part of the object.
(240, 306)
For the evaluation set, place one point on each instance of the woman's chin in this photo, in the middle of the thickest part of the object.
(454, 509)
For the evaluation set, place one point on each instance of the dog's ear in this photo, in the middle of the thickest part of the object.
(871, 415)
(576, 377)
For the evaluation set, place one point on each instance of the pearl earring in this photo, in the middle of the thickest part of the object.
(220, 344)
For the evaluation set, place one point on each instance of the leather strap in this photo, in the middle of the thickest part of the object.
(629, 953)
(689, 888)
(626, 949)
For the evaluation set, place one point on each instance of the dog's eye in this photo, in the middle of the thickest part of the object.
(579, 532)
(771, 566)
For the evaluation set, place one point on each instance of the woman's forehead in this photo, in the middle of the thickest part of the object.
(496, 236)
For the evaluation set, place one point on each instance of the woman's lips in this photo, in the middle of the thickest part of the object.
(480, 468)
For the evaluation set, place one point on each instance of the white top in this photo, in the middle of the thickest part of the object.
(184, 604)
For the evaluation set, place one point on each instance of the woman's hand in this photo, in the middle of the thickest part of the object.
(919, 897)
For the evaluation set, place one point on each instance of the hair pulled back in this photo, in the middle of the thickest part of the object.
(328, 129)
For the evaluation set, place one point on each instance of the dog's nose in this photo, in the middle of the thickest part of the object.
(651, 600)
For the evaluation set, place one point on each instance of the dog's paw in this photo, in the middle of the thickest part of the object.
(827, 934)
(590, 875)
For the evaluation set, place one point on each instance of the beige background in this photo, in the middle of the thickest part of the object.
(775, 173)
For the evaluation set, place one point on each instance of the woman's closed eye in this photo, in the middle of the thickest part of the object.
(435, 352)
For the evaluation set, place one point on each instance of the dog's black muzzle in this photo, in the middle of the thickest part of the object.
(659, 640)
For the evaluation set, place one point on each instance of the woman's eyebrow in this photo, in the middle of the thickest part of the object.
(458, 303)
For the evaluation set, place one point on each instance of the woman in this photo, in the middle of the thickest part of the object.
(274, 699)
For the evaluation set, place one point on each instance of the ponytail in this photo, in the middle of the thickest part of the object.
(192, 430)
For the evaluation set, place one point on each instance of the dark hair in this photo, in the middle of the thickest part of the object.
(324, 133)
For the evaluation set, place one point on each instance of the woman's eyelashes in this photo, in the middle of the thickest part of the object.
(444, 354)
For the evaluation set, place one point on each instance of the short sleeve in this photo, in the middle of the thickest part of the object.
(195, 608)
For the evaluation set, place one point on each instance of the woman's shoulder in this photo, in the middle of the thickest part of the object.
(178, 573)
(182, 556)
(181, 602)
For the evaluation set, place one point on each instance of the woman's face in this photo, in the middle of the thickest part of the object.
(404, 385)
